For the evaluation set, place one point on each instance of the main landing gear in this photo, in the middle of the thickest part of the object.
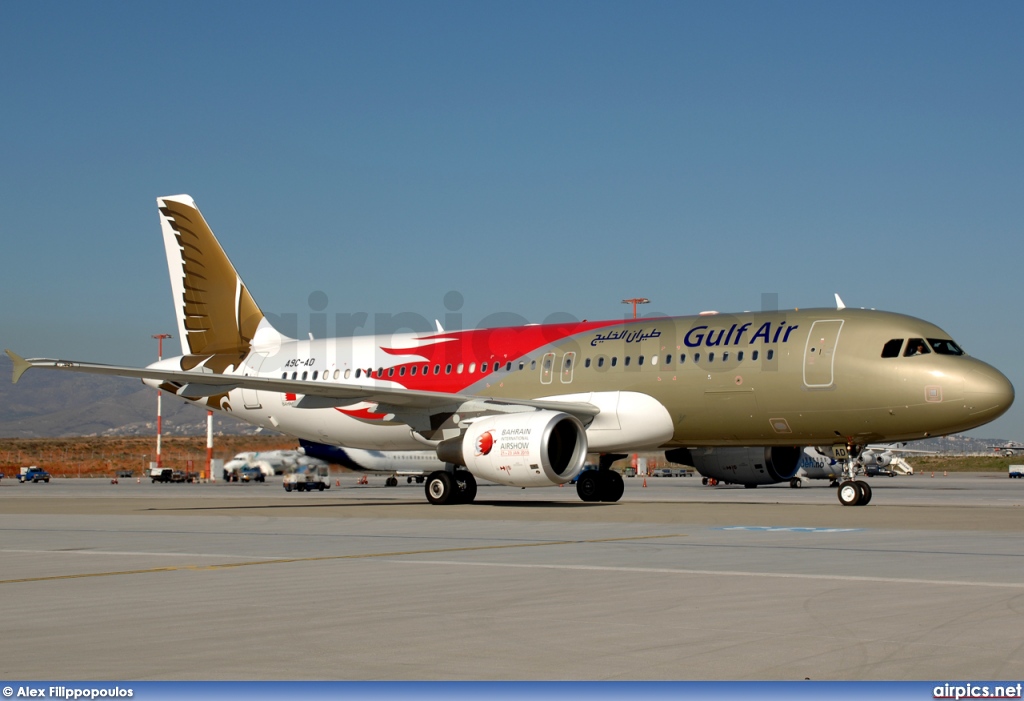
(602, 484)
(852, 492)
(458, 487)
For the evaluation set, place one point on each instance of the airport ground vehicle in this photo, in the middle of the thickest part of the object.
(306, 478)
(166, 474)
(1016, 471)
(879, 471)
(253, 474)
(33, 474)
(586, 468)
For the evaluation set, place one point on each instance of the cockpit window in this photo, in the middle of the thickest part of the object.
(916, 346)
(943, 346)
(892, 348)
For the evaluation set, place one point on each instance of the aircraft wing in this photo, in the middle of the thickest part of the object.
(314, 395)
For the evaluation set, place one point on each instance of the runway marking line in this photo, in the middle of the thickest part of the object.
(721, 573)
(323, 558)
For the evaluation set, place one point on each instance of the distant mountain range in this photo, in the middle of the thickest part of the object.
(46, 404)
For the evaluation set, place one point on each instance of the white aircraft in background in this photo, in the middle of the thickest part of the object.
(270, 462)
(756, 466)
(411, 464)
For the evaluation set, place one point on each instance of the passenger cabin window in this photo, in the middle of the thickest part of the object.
(739, 356)
(668, 359)
(586, 363)
(943, 346)
(625, 362)
(600, 361)
(348, 373)
(315, 373)
(916, 346)
(615, 360)
(892, 348)
(412, 370)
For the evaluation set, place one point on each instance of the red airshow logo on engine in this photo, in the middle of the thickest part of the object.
(484, 443)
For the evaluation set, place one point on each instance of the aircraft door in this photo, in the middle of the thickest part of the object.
(820, 352)
(250, 397)
(546, 368)
(568, 360)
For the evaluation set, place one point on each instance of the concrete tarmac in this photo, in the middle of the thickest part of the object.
(677, 581)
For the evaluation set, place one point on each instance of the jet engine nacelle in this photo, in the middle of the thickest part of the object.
(741, 465)
(879, 459)
(529, 449)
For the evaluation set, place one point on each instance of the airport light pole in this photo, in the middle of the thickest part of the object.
(635, 301)
(159, 399)
(209, 445)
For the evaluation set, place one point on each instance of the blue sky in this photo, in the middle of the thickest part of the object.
(538, 158)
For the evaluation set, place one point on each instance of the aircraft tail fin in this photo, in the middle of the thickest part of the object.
(216, 314)
(20, 365)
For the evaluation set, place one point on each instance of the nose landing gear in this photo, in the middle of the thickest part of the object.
(851, 491)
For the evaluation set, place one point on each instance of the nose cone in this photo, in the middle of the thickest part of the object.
(988, 393)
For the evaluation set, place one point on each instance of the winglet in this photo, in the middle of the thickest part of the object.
(839, 302)
(20, 365)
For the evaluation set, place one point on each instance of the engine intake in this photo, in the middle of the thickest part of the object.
(529, 449)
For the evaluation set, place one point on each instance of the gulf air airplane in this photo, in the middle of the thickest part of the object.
(523, 406)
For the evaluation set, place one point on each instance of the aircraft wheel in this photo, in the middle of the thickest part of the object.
(391, 482)
(408, 480)
(465, 486)
(440, 488)
(796, 483)
(865, 492)
(613, 487)
(588, 486)
(849, 493)
(704, 481)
